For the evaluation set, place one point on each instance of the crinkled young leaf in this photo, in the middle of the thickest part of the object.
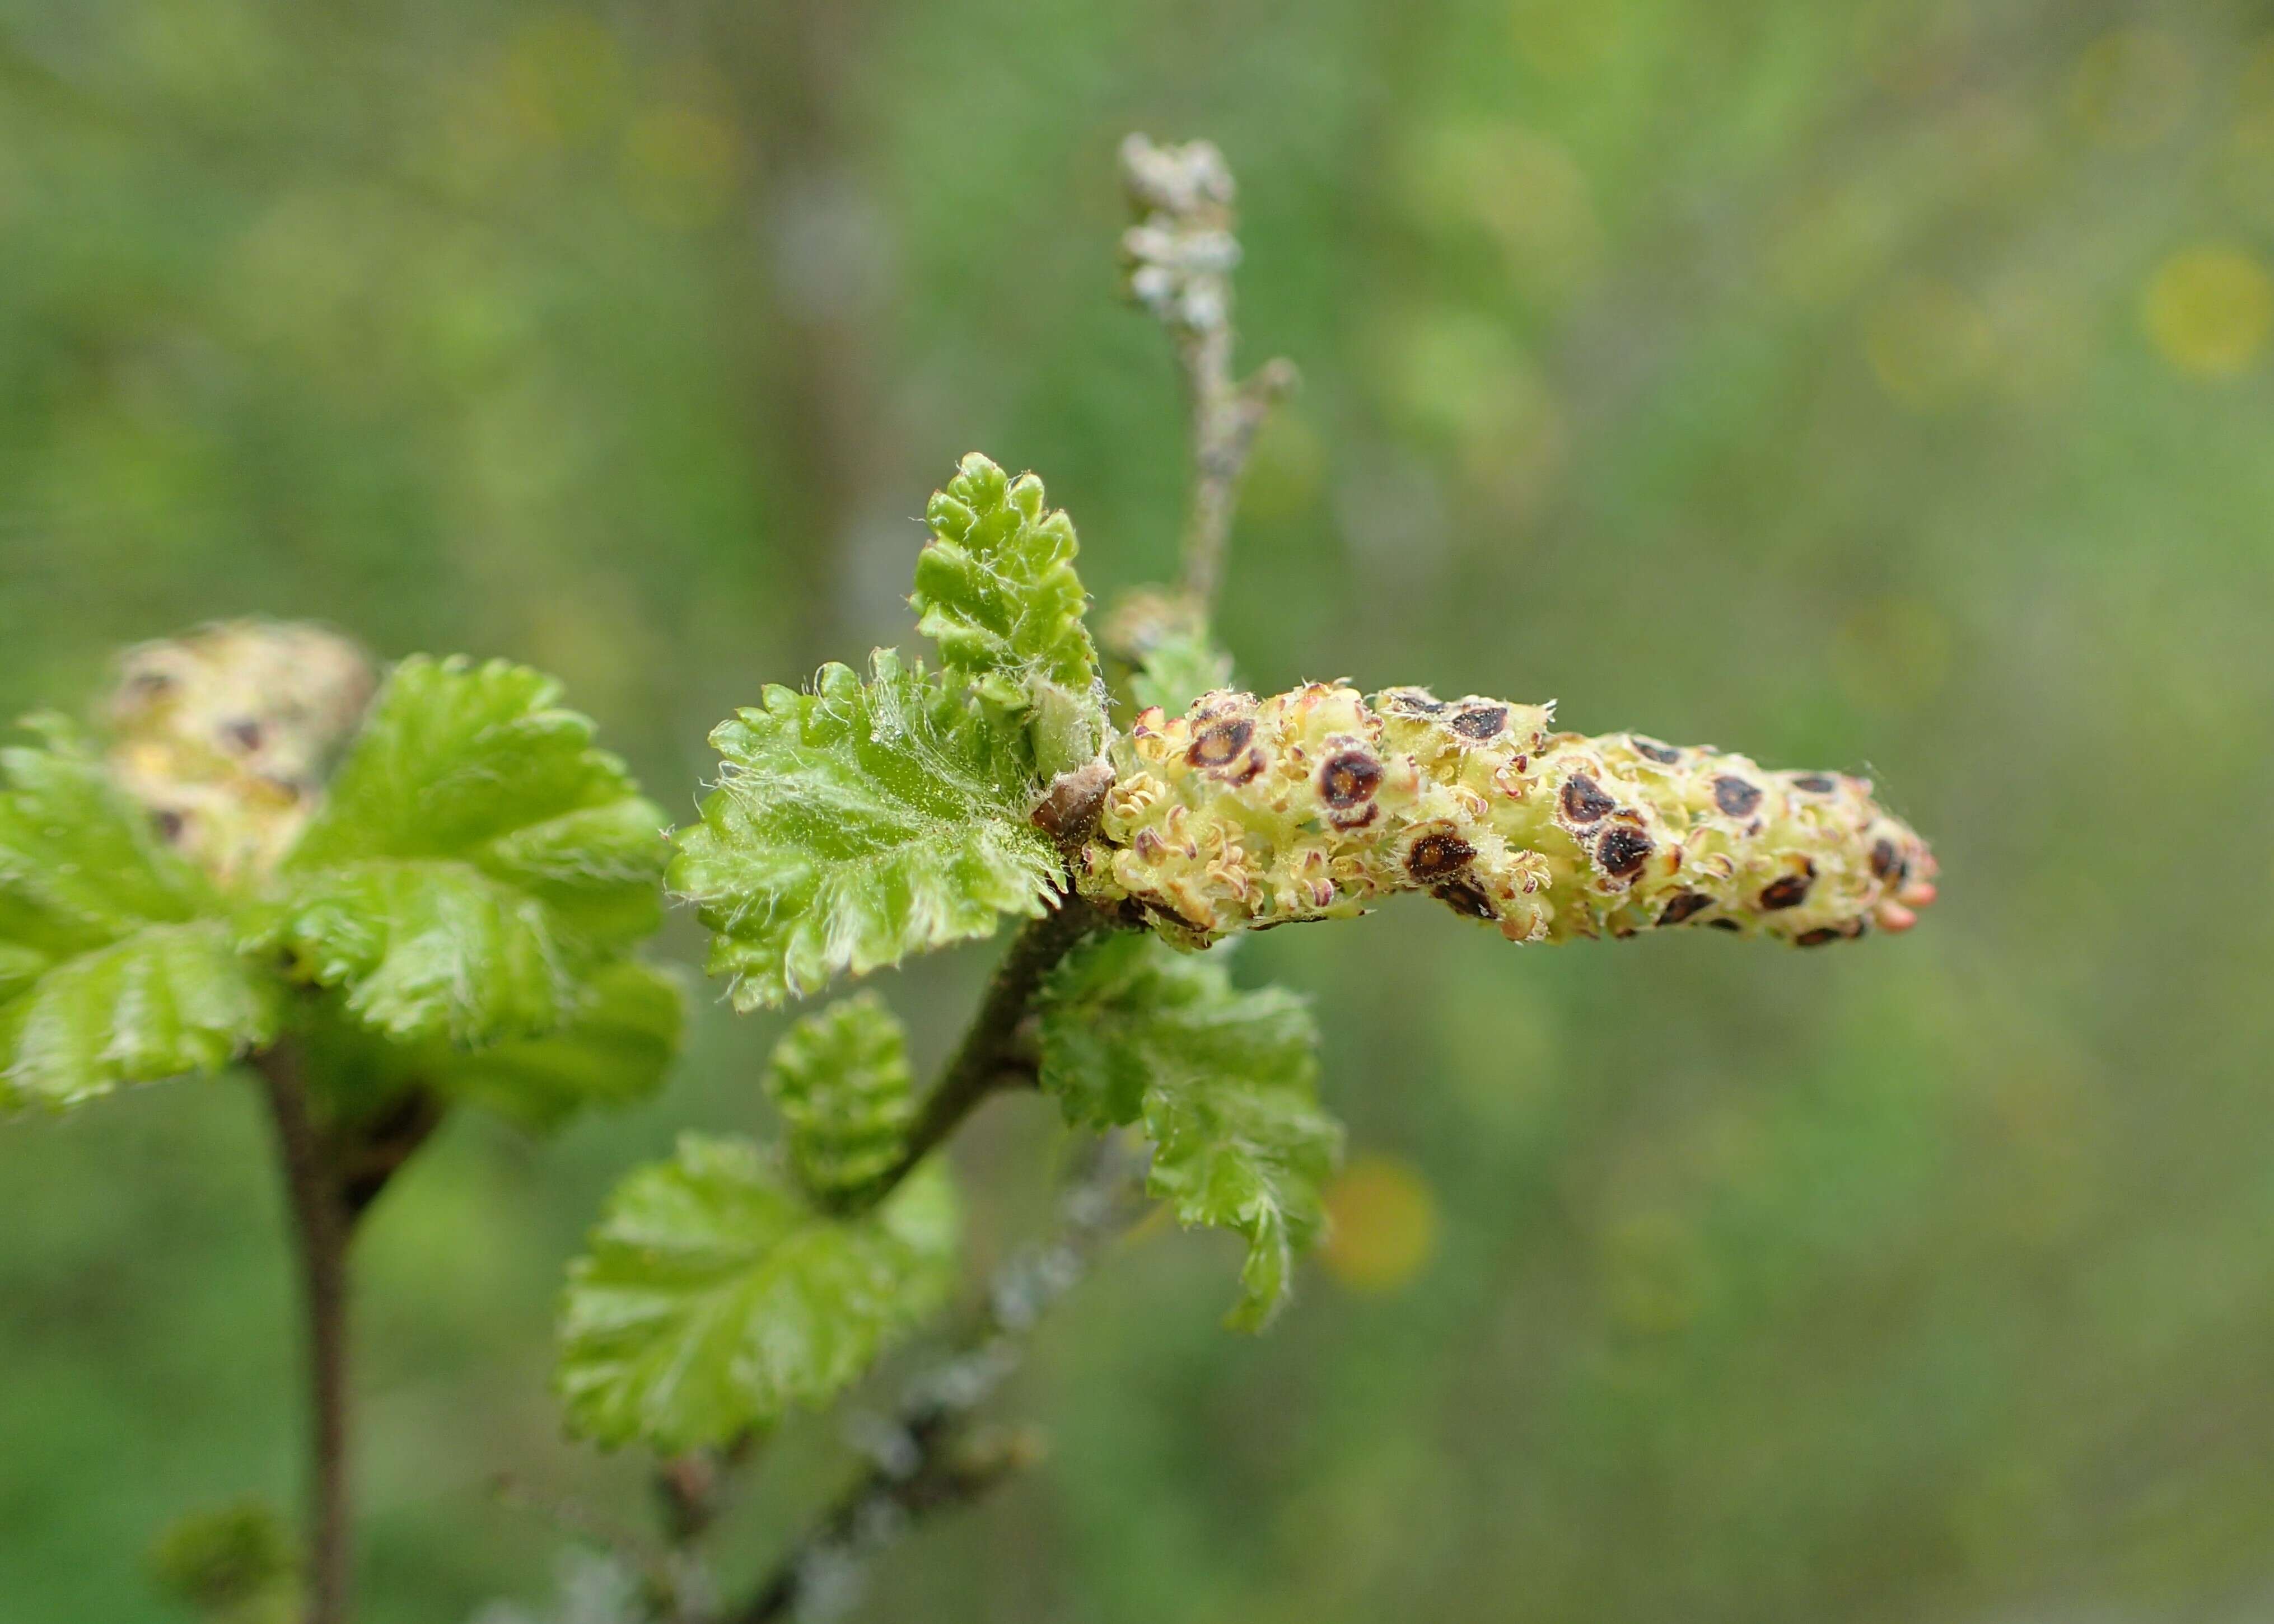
(162, 1000)
(474, 856)
(841, 1077)
(108, 973)
(427, 949)
(615, 1049)
(855, 825)
(713, 1296)
(996, 587)
(1225, 1083)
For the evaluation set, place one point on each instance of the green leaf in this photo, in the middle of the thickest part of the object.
(79, 864)
(1225, 1083)
(614, 1050)
(712, 1297)
(1177, 669)
(107, 975)
(427, 949)
(841, 1077)
(855, 825)
(475, 856)
(164, 1001)
(996, 587)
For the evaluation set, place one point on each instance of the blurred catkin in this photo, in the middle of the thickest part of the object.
(227, 734)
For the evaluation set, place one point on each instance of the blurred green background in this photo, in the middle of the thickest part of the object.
(1881, 385)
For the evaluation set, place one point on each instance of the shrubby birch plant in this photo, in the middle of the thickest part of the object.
(389, 894)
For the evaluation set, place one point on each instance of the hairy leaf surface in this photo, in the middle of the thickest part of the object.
(996, 587)
(107, 975)
(1224, 1081)
(713, 1296)
(841, 1077)
(853, 826)
(475, 856)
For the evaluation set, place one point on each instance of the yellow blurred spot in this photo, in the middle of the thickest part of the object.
(2131, 87)
(563, 78)
(1565, 40)
(2209, 309)
(679, 166)
(1927, 343)
(1382, 1221)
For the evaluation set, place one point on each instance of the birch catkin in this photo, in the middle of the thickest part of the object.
(227, 734)
(1244, 813)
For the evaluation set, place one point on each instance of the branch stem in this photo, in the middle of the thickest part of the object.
(321, 1224)
(938, 1457)
(1182, 253)
(989, 1058)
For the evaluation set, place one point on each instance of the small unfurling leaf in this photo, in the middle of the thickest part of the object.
(854, 825)
(840, 1078)
(713, 1296)
(1225, 1082)
(997, 589)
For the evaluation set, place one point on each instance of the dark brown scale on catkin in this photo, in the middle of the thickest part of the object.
(1789, 891)
(1584, 801)
(1348, 779)
(245, 735)
(1483, 722)
(1664, 755)
(1219, 744)
(1817, 937)
(1887, 863)
(1413, 700)
(1623, 852)
(1816, 783)
(1684, 907)
(1734, 796)
(1434, 856)
(1466, 897)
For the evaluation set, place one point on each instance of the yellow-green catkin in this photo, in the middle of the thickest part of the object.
(1244, 813)
(227, 734)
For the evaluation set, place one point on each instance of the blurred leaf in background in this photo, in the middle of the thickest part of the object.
(1884, 384)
